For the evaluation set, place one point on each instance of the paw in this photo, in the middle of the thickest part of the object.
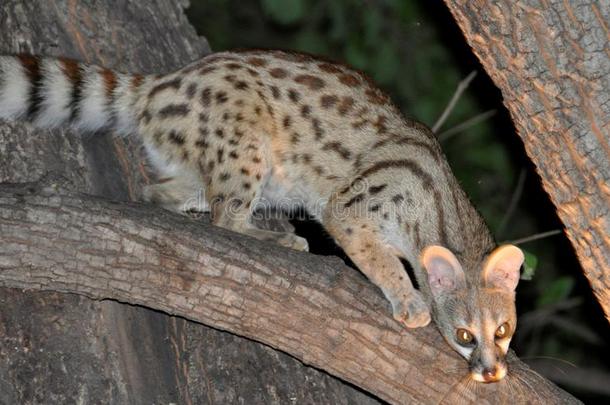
(411, 310)
(293, 241)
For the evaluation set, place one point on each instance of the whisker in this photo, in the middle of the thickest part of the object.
(508, 392)
(550, 358)
(453, 386)
(514, 386)
(456, 370)
(529, 386)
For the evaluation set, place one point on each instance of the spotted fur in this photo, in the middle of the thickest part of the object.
(235, 131)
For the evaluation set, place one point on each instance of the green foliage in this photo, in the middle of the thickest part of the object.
(285, 11)
(529, 266)
(557, 291)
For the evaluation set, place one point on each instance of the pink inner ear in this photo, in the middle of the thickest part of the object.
(504, 278)
(440, 274)
(444, 271)
(502, 267)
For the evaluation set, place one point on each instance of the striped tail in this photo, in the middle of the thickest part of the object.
(50, 92)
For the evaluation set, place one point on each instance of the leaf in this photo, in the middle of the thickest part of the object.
(284, 11)
(557, 291)
(529, 266)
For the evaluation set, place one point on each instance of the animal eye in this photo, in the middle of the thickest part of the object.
(464, 337)
(502, 330)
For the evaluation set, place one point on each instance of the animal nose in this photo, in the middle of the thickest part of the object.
(490, 374)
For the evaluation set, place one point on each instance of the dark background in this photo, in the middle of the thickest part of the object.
(415, 51)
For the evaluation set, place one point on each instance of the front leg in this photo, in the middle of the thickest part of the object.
(379, 263)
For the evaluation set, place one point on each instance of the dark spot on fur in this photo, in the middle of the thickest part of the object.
(312, 82)
(397, 198)
(328, 101)
(221, 97)
(294, 95)
(345, 105)
(146, 116)
(233, 66)
(375, 96)
(206, 97)
(354, 199)
(305, 111)
(377, 189)
(208, 69)
(241, 85)
(349, 80)
(278, 73)
(202, 144)
(171, 84)
(259, 62)
(176, 137)
(330, 68)
(275, 91)
(340, 149)
(317, 128)
(174, 110)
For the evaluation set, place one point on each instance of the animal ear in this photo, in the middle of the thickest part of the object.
(445, 273)
(501, 269)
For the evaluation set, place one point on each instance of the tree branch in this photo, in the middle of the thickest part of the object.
(462, 86)
(314, 308)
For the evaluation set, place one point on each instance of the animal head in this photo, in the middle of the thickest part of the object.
(476, 315)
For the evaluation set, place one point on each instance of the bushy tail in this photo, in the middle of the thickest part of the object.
(51, 92)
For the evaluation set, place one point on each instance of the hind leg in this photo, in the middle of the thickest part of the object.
(234, 190)
(179, 194)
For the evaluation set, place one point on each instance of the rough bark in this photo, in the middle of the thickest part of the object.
(313, 307)
(66, 348)
(551, 60)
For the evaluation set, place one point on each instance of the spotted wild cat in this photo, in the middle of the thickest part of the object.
(277, 128)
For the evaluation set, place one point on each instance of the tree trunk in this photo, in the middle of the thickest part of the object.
(64, 348)
(551, 59)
